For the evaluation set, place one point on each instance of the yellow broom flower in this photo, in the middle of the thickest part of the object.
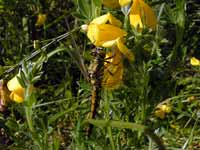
(113, 70)
(107, 18)
(17, 91)
(141, 15)
(162, 110)
(194, 61)
(111, 3)
(124, 2)
(191, 99)
(41, 18)
(105, 31)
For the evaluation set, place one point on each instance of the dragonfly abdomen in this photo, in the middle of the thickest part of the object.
(95, 75)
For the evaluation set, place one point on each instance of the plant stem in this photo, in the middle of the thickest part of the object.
(111, 138)
(28, 112)
(107, 108)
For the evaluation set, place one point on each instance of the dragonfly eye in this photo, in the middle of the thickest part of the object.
(99, 48)
(98, 52)
(93, 53)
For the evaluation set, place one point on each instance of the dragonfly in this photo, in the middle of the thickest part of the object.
(105, 71)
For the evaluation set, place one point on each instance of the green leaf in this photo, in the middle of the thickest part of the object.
(53, 118)
(12, 125)
(116, 124)
(22, 79)
(84, 8)
(98, 3)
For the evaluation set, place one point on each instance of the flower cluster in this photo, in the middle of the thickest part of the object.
(105, 31)
(140, 15)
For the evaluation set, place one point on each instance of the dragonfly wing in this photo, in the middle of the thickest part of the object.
(113, 70)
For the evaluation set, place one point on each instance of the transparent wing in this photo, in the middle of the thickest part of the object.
(113, 70)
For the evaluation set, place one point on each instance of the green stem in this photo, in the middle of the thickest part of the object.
(128, 125)
(28, 112)
(109, 129)
(28, 107)
(111, 138)
(144, 93)
(116, 124)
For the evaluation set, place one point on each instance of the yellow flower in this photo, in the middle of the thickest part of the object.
(194, 61)
(41, 18)
(111, 3)
(105, 31)
(141, 15)
(124, 2)
(191, 98)
(113, 70)
(17, 91)
(162, 110)
(107, 18)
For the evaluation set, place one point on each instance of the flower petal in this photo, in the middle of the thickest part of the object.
(194, 61)
(135, 21)
(111, 3)
(124, 2)
(114, 21)
(107, 18)
(100, 20)
(93, 34)
(99, 34)
(17, 98)
(14, 86)
(124, 50)
(142, 13)
(109, 44)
